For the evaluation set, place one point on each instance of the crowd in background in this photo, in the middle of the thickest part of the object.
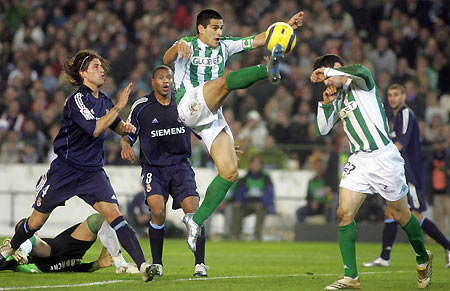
(405, 42)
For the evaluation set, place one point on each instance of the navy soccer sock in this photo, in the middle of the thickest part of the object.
(200, 251)
(156, 237)
(431, 229)
(128, 240)
(23, 233)
(389, 234)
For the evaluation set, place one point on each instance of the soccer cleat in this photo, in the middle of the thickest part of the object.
(128, 268)
(201, 270)
(273, 70)
(447, 259)
(147, 272)
(344, 283)
(159, 270)
(378, 262)
(193, 231)
(424, 273)
(6, 250)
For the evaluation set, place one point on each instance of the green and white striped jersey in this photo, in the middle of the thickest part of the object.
(359, 107)
(206, 63)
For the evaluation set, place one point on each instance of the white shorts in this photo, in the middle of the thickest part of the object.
(194, 112)
(381, 171)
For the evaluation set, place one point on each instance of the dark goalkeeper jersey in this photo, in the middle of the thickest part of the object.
(164, 139)
(75, 142)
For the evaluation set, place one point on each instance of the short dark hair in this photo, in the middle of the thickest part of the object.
(205, 16)
(328, 61)
(80, 62)
(160, 67)
(398, 87)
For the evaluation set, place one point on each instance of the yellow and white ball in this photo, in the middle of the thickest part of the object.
(282, 33)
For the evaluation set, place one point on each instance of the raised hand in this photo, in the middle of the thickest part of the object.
(318, 75)
(183, 49)
(329, 95)
(123, 99)
(297, 20)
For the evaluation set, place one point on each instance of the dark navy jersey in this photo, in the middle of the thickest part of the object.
(75, 142)
(164, 139)
(405, 130)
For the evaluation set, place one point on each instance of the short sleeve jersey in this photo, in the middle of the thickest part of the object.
(164, 139)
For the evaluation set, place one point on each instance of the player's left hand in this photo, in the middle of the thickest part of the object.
(129, 128)
(238, 151)
(318, 75)
(297, 20)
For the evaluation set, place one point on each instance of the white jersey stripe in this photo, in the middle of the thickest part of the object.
(405, 113)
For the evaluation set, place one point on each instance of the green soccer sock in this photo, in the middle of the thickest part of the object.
(347, 239)
(414, 233)
(214, 195)
(245, 77)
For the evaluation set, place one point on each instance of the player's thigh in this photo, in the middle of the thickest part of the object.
(215, 92)
(83, 233)
(224, 156)
(41, 249)
(349, 203)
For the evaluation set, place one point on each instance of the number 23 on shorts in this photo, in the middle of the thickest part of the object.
(349, 167)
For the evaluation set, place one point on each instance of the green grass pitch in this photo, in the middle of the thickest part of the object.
(237, 265)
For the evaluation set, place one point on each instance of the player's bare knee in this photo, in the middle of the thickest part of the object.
(158, 216)
(339, 215)
(232, 175)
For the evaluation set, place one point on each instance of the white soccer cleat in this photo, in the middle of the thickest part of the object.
(6, 250)
(147, 272)
(201, 270)
(424, 273)
(193, 231)
(128, 268)
(344, 283)
(273, 70)
(159, 269)
(447, 259)
(378, 262)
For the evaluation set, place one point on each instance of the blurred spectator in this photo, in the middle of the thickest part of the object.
(383, 58)
(138, 214)
(13, 116)
(319, 196)
(254, 130)
(281, 101)
(10, 151)
(254, 195)
(438, 183)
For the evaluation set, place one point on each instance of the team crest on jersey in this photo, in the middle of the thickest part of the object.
(347, 109)
(39, 202)
(148, 188)
(207, 61)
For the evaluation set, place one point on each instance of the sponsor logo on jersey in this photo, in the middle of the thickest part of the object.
(347, 109)
(155, 120)
(207, 61)
(168, 131)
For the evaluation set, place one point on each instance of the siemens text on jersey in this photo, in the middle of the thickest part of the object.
(168, 131)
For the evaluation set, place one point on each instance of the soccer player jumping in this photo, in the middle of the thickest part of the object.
(201, 88)
(375, 165)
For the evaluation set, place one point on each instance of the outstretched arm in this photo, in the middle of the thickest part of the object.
(296, 21)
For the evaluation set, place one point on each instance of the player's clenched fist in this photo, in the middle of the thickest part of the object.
(329, 95)
(184, 49)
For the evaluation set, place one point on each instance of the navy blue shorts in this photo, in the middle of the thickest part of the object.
(177, 181)
(415, 199)
(62, 182)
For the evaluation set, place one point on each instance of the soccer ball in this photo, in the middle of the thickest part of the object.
(282, 33)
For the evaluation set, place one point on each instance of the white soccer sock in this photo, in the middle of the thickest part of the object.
(27, 246)
(109, 239)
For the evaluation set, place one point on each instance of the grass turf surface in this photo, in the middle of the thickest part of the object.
(237, 265)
